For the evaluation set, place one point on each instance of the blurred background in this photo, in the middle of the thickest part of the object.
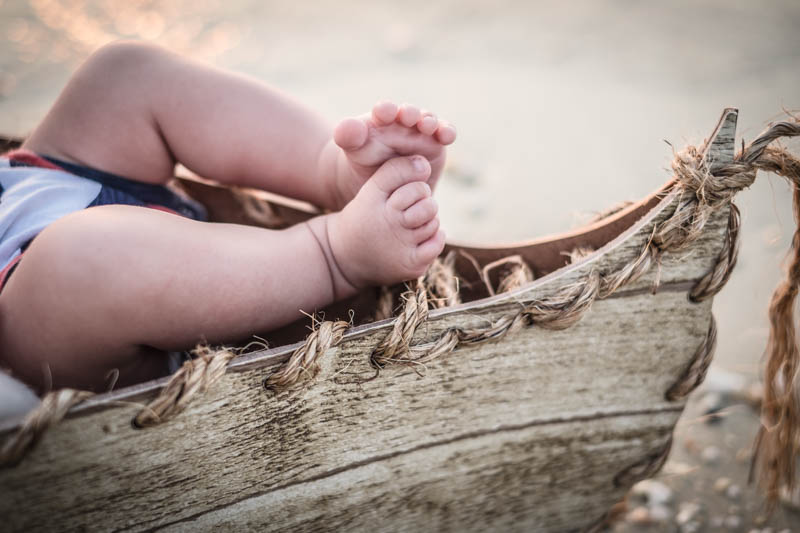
(562, 107)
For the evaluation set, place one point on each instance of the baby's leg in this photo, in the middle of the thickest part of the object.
(134, 110)
(99, 289)
(110, 287)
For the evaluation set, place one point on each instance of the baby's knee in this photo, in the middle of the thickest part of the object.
(115, 60)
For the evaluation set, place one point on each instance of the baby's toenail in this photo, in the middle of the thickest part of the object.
(418, 163)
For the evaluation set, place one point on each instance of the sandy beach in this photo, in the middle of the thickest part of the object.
(563, 110)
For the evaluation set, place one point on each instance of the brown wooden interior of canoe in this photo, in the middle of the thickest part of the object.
(543, 255)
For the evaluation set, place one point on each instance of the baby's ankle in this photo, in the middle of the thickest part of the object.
(341, 286)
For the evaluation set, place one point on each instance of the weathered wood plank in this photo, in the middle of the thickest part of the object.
(240, 442)
(509, 479)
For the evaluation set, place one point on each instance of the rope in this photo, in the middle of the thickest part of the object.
(695, 371)
(50, 411)
(303, 365)
(192, 379)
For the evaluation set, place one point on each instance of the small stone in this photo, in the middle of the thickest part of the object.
(733, 522)
(711, 455)
(787, 530)
(660, 513)
(716, 521)
(676, 468)
(766, 530)
(760, 520)
(690, 527)
(734, 509)
(687, 512)
(754, 530)
(743, 455)
(722, 484)
(639, 515)
(653, 492)
(734, 492)
(711, 404)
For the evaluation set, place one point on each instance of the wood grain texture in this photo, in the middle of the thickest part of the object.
(239, 442)
(455, 486)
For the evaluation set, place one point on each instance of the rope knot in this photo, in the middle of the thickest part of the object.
(193, 378)
(396, 346)
(712, 186)
(303, 364)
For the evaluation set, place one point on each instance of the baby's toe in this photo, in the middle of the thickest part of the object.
(430, 249)
(420, 213)
(350, 134)
(408, 115)
(426, 231)
(384, 112)
(445, 133)
(428, 124)
(400, 171)
(408, 195)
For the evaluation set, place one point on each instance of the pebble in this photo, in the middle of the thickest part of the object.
(653, 492)
(733, 522)
(660, 513)
(711, 404)
(743, 455)
(687, 512)
(690, 527)
(639, 515)
(722, 484)
(711, 455)
(734, 492)
(676, 468)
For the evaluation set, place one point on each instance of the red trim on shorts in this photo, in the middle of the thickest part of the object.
(166, 210)
(6, 270)
(26, 157)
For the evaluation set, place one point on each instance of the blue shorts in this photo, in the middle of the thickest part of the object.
(35, 191)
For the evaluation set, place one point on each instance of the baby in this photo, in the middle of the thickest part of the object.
(86, 291)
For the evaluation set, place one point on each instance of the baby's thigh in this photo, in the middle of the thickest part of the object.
(60, 319)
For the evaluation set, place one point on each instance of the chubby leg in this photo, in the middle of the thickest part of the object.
(135, 110)
(110, 287)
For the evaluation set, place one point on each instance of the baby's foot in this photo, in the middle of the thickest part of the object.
(389, 131)
(389, 232)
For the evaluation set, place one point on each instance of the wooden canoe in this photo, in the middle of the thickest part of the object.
(542, 429)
